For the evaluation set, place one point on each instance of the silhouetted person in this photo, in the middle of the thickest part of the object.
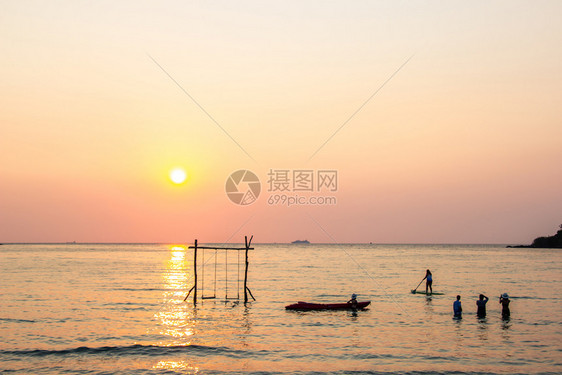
(457, 308)
(353, 301)
(481, 303)
(428, 281)
(504, 300)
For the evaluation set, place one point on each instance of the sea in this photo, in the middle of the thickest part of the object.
(121, 309)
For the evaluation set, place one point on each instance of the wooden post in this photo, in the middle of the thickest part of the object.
(248, 243)
(195, 273)
(246, 271)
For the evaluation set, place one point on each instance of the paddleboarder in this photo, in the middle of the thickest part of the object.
(428, 281)
(481, 303)
(504, 300)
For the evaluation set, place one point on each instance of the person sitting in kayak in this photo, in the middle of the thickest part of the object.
(481, 303)
(428, 281)
(504, 300)
(353, 301)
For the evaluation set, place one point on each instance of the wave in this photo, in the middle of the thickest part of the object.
(137, 349)
(367, 372)
(432, 372)
(146, 289)
(17, 320)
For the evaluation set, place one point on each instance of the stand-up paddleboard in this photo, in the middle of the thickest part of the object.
(428, 293)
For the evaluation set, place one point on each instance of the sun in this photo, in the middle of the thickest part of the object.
(178, 176)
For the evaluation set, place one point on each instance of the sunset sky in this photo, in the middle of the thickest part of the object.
(100, 100)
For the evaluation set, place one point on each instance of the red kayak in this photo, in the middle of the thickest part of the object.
(326, 306)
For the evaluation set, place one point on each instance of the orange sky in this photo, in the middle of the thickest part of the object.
(461, 145)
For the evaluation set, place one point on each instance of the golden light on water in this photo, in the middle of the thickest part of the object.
(177, 365)
(175, 320)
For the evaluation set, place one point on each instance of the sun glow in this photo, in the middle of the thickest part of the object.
(178, 176)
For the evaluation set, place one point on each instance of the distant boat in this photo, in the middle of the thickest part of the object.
(300, 242)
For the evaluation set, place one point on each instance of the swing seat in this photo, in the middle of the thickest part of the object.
(209, 297)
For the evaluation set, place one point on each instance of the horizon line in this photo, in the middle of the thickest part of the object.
(260, 243)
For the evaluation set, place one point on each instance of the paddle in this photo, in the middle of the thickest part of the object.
(414, 290)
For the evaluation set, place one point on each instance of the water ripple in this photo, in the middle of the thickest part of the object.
(137, 349)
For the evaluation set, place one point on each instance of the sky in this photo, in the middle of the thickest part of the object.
(440, 119)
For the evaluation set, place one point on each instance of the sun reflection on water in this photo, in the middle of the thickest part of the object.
(176, 365)
(175, 319)
(209, 324)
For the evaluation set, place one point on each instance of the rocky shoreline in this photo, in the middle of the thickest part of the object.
(550, 242)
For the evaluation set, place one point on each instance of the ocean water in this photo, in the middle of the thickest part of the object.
(119, 309)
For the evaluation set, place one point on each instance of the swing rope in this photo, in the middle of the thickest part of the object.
(215, 289)
(238, 275)
(202, 267)
(203, 274)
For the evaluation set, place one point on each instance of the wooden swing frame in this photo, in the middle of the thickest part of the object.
(246, 248)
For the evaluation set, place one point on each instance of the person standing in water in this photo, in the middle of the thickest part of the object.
(481, 303)
(504, 300)
(428, 281)
(457, 308)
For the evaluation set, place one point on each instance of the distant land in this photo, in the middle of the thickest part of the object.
(551, 242)
(300, 241)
